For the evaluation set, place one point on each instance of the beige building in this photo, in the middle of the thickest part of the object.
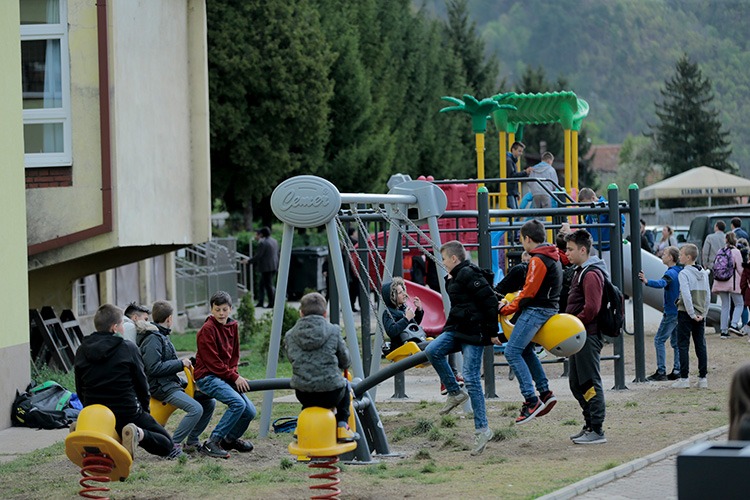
(111, 100)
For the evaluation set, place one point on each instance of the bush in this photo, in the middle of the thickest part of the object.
(256, 332)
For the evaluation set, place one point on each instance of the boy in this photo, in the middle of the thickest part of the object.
(668, 326)
(109, 371)
(216, 376)
(134, 315)
(318, 355)
(584, 302)
(543, 170)
(537, 302)
(162, 366)
(692, 306)
(471, 325)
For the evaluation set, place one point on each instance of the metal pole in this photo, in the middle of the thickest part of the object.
(635, 228)
(615, 268)
(485, 261)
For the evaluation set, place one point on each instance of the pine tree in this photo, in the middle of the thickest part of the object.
(689, 133)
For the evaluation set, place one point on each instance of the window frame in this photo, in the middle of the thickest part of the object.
(61, 115)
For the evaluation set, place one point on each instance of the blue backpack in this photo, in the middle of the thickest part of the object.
(723, 265)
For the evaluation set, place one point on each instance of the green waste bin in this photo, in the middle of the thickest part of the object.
(306, 271)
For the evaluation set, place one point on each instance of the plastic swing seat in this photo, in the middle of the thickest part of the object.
(404, 351)
(162, 411)
(95, 437)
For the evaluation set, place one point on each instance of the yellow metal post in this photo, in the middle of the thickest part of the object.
(568, 162)
(503, 149)
(574, 147)
(480, 157)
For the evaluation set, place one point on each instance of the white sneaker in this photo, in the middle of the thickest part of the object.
(454, 400)
(746, 330)
(130, 438)
(481, 438)
(702, 383)
(682, 383)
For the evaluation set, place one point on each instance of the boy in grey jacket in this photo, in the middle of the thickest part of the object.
(318, 355)
(692, 306)
(543, 170)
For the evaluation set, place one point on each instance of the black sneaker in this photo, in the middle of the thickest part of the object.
(549, 400)
(191, 447)
(529, 411)
(724, 335)
(175, 453)
(212, 449)
(241, 445)
(657, 377)
(736, 329)
(673, 376)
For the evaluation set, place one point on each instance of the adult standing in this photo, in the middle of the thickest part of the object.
(543, 170)
(511, 171)
(737, 228)
(729, 290)
(714, 242)
(266, 259)
(667, 240)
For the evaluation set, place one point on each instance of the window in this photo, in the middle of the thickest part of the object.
(45, 76)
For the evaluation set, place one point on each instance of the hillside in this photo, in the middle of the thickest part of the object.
(617, 54)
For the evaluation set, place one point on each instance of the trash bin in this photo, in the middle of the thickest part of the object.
(714, 470)
(306, 271)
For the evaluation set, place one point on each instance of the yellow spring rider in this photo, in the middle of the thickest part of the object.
(562, 335)
(162, 411)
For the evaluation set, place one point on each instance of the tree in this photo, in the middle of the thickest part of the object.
(689, 133)
(637, 164)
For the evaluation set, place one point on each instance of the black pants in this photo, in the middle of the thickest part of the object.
(266, 285)
(156, 439)
(686, 328)
(338, 398)
(585, 381)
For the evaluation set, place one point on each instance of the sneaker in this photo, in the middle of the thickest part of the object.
(724, 335)
(549, 400)
(443, 390)
(481, 438)
(454, 400)
(673, 376)
(702, 383)
(212, 449)
(657, 377)
(591, 437)
(529, 411)
(175, 453)
(191, 447)
(459, 379)
(736, 329)
(580, 433)
(683, 383)
(241, 445)
(130, 438)
(746, 330)
(345, 435)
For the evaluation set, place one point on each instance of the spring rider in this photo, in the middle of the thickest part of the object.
(162, 411)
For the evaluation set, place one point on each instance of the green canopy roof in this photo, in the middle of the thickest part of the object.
(535, 109)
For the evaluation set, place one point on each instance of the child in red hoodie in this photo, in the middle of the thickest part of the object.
(537, 302)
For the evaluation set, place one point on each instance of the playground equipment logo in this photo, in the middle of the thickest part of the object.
(305, 201)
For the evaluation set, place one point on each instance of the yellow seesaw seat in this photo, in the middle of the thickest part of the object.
(406, 350)
(162, 411)
(95, 435)
(316, 435)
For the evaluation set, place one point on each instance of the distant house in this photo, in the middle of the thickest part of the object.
(604, 159)
(113, 113)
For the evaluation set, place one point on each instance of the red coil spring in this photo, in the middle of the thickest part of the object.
(330, 474)
(97, 464)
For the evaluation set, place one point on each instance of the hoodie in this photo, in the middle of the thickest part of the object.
(543, 281)
(542, 170)
(671, 285)
(586, 291)
(160, 360)
(109, 371)
(394, 317)
(695, 293)
(218, 351)
(318, 355)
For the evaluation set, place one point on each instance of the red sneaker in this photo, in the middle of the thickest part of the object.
(443, 390)
(549, 400)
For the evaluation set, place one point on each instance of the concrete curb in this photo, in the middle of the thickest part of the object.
(607, 476)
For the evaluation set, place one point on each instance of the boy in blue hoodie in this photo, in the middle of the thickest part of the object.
(668, 326)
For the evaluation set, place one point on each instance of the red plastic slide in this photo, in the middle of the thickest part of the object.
(432, 303)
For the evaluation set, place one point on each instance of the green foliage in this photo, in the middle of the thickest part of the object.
(505, 433)
(256, 332)
(689, 134)
(44, 373)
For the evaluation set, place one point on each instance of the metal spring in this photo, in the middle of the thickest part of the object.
(329, 475)
(97, 464)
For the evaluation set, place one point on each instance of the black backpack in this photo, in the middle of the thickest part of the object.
(611, 317)
(41, 406)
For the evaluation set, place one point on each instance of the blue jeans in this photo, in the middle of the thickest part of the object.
(520, 353)
(437, 352)
(240, 410)
(667, 330)
(199, 413)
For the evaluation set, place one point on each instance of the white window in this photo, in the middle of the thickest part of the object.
(45, 75)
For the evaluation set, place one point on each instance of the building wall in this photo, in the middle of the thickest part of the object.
(14, 336)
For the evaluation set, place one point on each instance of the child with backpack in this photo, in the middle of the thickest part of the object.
(692, 307)
(727, 273)
(585, 302)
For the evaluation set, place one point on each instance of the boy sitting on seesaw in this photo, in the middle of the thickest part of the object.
(318, 355)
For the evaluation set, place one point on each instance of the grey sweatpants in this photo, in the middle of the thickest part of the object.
(586, 381)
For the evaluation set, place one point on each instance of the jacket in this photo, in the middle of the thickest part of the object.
(218, 351)
(586, 291)
(394, 317)
(160, 360)
(542, 170)
(129, 330)
(745, 284)
(318, 355)
(266, 258)
(543, 281)
(514, 280)
(714, 242)
(109, 371)
(511, 171)
(695, 295)
(732, 285)
(671, 285)
(473, 313)
(601, 234)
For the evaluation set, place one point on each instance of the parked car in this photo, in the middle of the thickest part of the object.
(703, 225)
(680, 233)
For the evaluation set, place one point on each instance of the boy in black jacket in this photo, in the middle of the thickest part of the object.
(109, 371)
(471, 325)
